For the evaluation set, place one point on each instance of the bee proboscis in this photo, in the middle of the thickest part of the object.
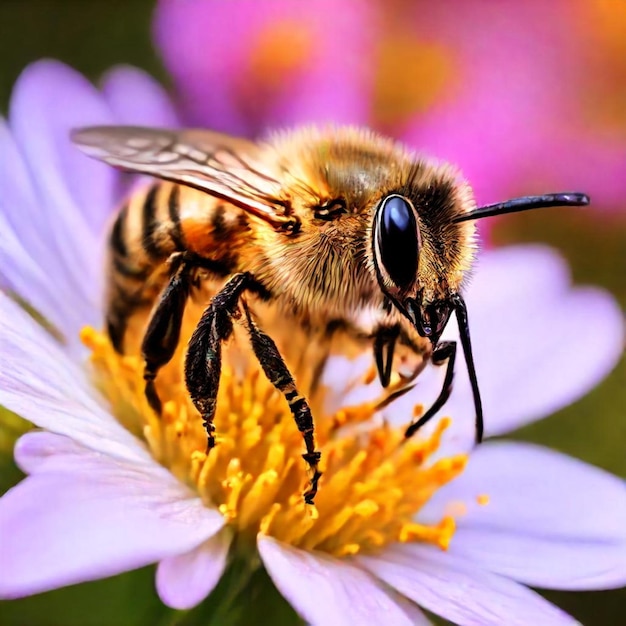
(337, 227)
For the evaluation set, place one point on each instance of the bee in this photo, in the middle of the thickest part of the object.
(337, 227)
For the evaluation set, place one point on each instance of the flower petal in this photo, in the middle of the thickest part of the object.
(324, 590)
(55, 199)
(40, 451)
(184, 580)
(23, 275)
(343, 378)
(83, 516)
(459, 591)
(30, 262)
(528, 350)
(49, 100)
(546, 562)
(415, 614)
(45, 387)
(552, 521)
(136, 98)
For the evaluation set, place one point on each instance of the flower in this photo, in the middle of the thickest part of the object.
(504, 94)
(247, 66)
(427, 523)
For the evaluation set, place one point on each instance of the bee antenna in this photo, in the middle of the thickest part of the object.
(525, 204)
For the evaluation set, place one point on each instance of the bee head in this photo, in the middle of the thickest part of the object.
(420, 254)
(423, 242)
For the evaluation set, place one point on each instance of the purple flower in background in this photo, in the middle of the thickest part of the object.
(498, 92)
(244, 66)
(397, 528)
(512, 117)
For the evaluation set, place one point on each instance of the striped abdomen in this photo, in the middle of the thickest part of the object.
(155, 223)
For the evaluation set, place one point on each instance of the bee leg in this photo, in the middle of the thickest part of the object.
(163, 333)
(385, 341)
(277, 373)
(203, 364)
(445, 351)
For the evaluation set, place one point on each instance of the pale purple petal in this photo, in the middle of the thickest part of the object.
(83, 516)
(42, 384)
(184, 580)
(39, 452)
(459, 591)
(23, 275)
(552, 521)
(31, 264)
(546, 562)
(49, 100)
(211, 47)
(19, 201)
(343, 379)
(137, 99)
(527, 325)
(55, 198)
(414, 613)
(325, 590)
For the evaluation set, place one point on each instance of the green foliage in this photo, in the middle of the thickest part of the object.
(90, 35)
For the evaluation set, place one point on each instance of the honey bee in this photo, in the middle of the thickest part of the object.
(337, 228)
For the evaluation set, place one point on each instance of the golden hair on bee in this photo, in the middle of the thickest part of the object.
(338, 228)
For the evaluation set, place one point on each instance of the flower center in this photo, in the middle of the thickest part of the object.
(373, 484)
(397, 100)
(275, 61)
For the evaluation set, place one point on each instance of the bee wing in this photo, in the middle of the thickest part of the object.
(223, 166)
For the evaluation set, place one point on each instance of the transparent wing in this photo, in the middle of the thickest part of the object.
(223, 166)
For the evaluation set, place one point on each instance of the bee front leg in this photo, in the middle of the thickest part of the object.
(277, 373)
(203, 364)
(445, 351)
(163, 332)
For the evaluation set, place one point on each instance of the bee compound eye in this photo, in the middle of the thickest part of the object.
(398, 240)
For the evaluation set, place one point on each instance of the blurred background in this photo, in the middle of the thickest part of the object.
(525, 97)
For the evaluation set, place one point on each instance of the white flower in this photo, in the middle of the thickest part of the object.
(96, 502)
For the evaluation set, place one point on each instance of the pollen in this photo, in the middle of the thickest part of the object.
(374, 481)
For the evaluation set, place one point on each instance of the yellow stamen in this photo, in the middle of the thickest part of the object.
(374, 481)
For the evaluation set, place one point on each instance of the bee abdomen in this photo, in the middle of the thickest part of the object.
(160, 222)
(146, 231)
